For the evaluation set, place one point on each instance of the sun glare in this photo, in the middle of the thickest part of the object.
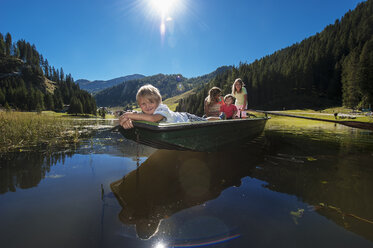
(164, 11)
(160, 245)
(164, 7)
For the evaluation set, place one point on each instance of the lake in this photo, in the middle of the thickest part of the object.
(297, 185)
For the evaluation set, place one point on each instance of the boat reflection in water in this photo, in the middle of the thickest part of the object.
(324, 183)
(170, 181)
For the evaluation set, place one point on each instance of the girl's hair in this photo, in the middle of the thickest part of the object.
(237, 81)
(229, 96)
(213, 92)
(149, 92)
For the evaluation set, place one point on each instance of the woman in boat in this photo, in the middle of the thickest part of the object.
(240, 93)
(150, 101)
(213, 102)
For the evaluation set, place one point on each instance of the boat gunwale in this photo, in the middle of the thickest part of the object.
(190, 125)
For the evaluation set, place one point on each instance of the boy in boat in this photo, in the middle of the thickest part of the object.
(150, 102)
(228, 110)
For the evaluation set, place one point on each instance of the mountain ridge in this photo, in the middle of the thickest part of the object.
(169, 85)
(98, 85)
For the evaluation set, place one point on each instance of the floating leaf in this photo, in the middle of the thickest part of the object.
(311, 159)
(298, 213)
(324, 182)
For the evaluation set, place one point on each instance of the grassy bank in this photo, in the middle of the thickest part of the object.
(24, 129)
(343, 114)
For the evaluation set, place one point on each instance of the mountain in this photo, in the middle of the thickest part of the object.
(98, 85)
(331, 68)
(29, 83)
(169, 85)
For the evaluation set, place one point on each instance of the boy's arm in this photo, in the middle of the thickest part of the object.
(143, 117)
(234, 112)
(125, 120)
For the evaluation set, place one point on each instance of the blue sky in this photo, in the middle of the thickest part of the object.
(105, 39)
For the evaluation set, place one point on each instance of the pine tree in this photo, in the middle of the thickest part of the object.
(2, 97)
(2, 45)
(365, 74)
(49, 103)
(8, 44)
(76, 106)
(7, 107)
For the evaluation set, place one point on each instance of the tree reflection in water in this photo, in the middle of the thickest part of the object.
(26, 169)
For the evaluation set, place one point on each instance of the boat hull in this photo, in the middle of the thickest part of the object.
(201, 136)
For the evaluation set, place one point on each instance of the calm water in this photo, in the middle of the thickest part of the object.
(295, 186)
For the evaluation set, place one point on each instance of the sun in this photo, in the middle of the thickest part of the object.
(164, 11)
(162, 14)
(164, 7)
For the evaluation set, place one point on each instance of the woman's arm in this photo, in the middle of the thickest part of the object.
(245, 101)
(206, 108)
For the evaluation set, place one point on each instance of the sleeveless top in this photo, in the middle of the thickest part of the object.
(214, 108)
(240, 97)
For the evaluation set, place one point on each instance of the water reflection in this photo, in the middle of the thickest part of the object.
(329, 174)
(170, 181)
(292, 187)
(26, 169)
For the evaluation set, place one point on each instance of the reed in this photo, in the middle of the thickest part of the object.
(25, 129)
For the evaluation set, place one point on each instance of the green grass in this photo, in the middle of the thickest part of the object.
(25, 129)
(173, 102)
(327, 114)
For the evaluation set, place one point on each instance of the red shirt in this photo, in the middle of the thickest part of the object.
(228, 110)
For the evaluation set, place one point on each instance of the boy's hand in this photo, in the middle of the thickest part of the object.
(125, 122)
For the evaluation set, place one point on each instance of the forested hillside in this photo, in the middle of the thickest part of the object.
(169, 85)
(334, 67)
(28, 82)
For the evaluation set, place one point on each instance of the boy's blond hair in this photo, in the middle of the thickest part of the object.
(149, 92)
(231, 96)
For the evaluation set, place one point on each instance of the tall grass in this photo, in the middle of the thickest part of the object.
(19, 129)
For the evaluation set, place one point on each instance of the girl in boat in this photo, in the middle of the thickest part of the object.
(150, 101)
(213, 102)
(240, 93)
(228, 110)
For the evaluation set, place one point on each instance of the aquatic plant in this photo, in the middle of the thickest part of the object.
(27, 129)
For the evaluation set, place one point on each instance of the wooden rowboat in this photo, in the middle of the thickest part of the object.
(196, 136)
